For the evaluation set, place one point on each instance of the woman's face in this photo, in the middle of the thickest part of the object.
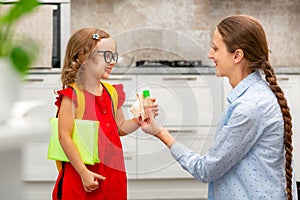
(103, 59)
(222, 58)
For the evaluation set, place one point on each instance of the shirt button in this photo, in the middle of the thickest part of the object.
(107, 124)
(104, 111)
(101, 98)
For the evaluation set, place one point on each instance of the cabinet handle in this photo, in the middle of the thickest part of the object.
(34, 80)
(120, 79)
(283, 79)
(180, 79)
(127, 104)
(128, 157)
(182, 131)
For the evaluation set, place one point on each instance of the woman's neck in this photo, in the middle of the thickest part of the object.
(238, 76)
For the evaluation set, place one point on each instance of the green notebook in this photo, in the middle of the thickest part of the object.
(85, 137)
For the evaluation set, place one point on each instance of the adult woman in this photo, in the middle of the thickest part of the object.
(252, 151)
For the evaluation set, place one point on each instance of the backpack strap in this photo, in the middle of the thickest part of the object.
(113, 95)
(80, 98)
(80, 101)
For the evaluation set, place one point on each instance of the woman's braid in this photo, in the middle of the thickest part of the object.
(271, 79)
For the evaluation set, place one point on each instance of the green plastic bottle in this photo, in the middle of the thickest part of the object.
(146, 93)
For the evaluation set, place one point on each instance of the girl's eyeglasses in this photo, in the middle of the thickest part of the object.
(109, 56)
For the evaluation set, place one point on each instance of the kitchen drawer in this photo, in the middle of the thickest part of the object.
(155, 159)
(38, 94)
(185, 100)
(36, 166)
(129, 144)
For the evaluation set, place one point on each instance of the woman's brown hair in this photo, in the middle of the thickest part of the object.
(80, 46)
(246, 33)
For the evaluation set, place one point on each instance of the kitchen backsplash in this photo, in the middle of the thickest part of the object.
(181, 30)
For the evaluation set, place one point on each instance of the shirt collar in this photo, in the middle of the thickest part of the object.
(243, 86)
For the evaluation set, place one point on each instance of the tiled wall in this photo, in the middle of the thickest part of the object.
(176, 29)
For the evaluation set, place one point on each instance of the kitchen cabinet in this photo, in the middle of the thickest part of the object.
(38, 91)
(155, 160)
(35, 106)
(188, 107)
(38, 95)
(290, 84)
(185, 100)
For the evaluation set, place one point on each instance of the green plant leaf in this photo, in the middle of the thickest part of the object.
(18, 9)
(20, 59)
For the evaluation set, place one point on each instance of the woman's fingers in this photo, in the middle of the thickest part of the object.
(155, 109)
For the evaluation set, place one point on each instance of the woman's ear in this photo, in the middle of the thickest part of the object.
(238, 56)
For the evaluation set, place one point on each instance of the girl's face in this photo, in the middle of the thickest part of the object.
(102, 60)
(221, 57)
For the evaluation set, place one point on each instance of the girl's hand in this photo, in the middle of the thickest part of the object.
(90, 181)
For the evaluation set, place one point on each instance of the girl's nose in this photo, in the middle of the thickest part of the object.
(113, 62)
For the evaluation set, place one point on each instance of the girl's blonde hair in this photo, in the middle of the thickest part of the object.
(80, 46)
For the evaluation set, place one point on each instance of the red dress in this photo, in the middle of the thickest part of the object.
(111, 164)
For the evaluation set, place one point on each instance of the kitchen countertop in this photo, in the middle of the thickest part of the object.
(167, 70)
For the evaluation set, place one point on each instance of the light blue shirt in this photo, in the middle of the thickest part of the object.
(246, 159)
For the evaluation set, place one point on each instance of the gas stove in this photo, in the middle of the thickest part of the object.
(168, 63)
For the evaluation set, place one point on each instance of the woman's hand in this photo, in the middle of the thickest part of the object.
(155, 109)
(149, 125)
(90, 180)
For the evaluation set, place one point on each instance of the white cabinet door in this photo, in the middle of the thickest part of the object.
(189, 106)
(290, 84)
(129, 141)
(185, 100)
(39, 90)
(36, 166)
(155, 159)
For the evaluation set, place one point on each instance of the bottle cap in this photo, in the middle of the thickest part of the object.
(146, 93)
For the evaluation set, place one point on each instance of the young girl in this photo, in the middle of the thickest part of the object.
(90, 56)
(251, 156)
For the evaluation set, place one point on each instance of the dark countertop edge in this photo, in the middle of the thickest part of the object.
(165, 70)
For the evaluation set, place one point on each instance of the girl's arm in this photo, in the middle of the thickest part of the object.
(65, 128)
(128, 126)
